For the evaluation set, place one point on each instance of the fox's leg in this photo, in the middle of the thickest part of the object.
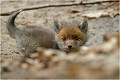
(55, 46)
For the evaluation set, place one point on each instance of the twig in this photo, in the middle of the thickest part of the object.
(59, 5)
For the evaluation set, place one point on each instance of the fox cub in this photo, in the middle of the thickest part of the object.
(66, 37)
(71, 35)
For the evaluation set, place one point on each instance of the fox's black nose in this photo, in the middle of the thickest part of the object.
(70, 46)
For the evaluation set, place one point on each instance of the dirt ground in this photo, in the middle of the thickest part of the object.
(102, 18)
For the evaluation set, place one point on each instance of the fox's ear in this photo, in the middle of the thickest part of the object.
(57, 26)
(83, 26)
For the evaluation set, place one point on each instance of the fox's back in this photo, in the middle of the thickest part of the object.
(31, 38)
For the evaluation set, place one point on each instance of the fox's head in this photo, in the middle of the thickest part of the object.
(70, 36)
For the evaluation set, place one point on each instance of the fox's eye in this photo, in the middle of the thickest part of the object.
(63, 38)
(76, 38)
